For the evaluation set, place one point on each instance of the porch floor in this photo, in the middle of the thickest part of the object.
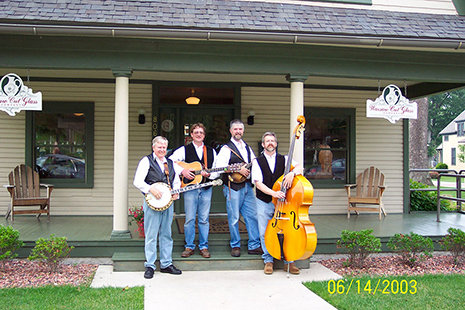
(91, 234)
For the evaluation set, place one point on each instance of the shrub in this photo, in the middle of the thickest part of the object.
(454, 242)
(434, 175)
(441, 166)
(52, 251)
(424, 200)
(9, 242)
(412, 248)
(359, 245)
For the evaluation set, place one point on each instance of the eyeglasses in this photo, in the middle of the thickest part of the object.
(198, 133)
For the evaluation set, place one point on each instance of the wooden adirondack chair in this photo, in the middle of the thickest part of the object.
(370, 188)
(24, 190)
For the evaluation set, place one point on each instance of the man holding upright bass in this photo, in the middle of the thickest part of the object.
(270, 167)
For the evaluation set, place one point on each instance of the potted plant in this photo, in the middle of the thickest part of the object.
(137, 215)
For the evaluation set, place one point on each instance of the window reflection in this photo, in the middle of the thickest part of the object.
(60, 145)
(326, 147)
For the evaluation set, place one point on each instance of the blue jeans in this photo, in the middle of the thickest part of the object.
(197, 202)
(158, 223)
(242, 202)
(265, 214)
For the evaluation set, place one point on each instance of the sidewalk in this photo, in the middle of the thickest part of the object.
(222, 289)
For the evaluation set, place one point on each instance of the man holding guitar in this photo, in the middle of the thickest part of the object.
(271, 166)
(196, 202)
(240, 198)
(153, 169)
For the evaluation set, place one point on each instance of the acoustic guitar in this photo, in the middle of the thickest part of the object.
(197, 170)
(165, 201)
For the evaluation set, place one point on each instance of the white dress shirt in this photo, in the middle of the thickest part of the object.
(180, 155)
(143, 169)
(257, 173)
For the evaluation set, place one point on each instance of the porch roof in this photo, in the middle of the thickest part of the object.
(233, 20)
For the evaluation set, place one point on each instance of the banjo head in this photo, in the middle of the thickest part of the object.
(164, 202)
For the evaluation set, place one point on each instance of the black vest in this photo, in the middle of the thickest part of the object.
(191, 155)
(156, 175)
(234, 159)
(270, 178)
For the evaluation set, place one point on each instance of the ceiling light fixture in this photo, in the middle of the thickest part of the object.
(192, 99)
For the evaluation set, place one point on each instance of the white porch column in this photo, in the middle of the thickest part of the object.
(121, 157)
(297, 108)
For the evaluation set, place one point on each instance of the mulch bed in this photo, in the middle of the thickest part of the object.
(24, 273)
(391, 265)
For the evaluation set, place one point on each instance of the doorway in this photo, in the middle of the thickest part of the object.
(215, 110)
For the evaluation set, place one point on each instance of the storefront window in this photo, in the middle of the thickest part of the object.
(328, 145)
(62, 144)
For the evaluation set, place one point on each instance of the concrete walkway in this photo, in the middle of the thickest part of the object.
(246, 289)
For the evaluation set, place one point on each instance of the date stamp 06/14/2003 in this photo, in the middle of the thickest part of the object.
(386, 287)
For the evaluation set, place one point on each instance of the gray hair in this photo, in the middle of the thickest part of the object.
(269, 133)
(159, 139)
(236, 122)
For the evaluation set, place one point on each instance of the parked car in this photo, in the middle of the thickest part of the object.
(60, 166)
(338, 170)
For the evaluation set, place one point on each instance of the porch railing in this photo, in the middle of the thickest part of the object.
(443, 173)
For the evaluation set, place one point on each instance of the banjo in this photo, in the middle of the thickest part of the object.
(166, 199)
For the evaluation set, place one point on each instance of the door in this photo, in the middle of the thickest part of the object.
(175, 126)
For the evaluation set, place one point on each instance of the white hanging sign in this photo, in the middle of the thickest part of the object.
(391, 105)
(15, 96)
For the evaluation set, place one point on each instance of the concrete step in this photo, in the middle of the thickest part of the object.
(220, 259)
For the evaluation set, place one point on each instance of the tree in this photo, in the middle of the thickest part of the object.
(418, 143)
(443, 108)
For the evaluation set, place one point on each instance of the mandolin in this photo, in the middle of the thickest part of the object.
(237, 177)
(197, 170)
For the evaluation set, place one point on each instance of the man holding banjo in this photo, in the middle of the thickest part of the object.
(152, 171)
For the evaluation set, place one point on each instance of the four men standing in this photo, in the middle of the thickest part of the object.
(238, 190)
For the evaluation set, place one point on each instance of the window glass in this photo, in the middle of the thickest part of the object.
(62, 143)
(327, 136)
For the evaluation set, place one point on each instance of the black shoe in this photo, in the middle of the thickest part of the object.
(171, 269)
(148, 273)
(257, 251)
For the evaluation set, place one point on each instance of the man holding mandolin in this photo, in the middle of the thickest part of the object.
(196, 202)
(240, 198)
(270, 168)
(153, 170)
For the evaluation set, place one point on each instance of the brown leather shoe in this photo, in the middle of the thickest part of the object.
(205, 253)
(236, 252)
(268, 268)
(257, 251)
(187, 252)
(292, 268)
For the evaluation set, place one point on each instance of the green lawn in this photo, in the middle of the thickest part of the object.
(393, 292)
(72, 297)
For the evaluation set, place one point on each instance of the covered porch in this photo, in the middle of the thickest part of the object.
(91, 237)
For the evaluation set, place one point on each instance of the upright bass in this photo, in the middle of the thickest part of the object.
(290, 235)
